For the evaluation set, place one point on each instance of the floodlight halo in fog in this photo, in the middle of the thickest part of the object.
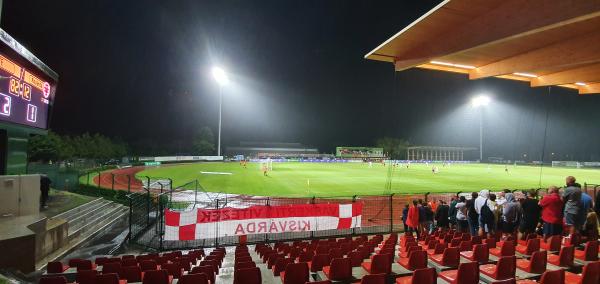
(220, 75)
(480, 101)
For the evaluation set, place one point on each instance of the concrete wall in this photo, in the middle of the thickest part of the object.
(20, 195)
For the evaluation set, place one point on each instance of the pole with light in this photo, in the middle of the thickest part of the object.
(221, 77)
(480, 102)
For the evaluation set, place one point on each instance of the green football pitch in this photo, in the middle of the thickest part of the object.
(295, 179)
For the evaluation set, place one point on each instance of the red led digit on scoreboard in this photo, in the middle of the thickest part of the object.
(5, 105)
(31, 113)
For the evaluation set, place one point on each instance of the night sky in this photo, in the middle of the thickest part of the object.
(140, 70)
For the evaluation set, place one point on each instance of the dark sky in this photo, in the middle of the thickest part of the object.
(140, 70)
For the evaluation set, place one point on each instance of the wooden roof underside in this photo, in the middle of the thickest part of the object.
(542, 42)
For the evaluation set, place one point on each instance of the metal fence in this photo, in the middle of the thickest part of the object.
(381, 214)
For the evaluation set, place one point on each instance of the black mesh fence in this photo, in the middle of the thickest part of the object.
(380, 214)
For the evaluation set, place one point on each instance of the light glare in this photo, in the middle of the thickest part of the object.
(580, 84)
(480, 101)
(452, 64)
(220, 75)
(525, 74)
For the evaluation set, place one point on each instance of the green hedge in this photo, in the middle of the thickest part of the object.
(119, 196)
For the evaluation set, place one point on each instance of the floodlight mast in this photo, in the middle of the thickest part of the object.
(480, 102)
(222, 79)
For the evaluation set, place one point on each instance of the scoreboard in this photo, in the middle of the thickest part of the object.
(26, 90)
(24, 97)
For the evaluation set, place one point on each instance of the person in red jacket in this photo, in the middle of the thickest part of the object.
(412, 221)
(552, 207)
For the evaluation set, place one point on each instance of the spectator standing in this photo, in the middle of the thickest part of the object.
(422, 215)
(412, 219)
(573, 212)
(486, 218)
(428, 225)
(441, 215)
(405, 216)
(511, 214)
(472, 215)
(45, 190)
(586, 200)
(552, 207)
(461, 215)
(531, 214)
(452, 212)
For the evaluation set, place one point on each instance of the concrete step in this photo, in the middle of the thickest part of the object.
(97, 219)
(76, 212)
(84, 218)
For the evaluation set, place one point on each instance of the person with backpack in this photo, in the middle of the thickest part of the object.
(472, 215)
(485, 210)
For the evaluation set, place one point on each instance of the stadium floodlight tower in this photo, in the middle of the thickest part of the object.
(222, 79)
(480, 102)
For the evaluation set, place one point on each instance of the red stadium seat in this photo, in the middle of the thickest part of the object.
(306, 256)
(504, 269)
(207, 270)
(85, 264)
(373, 279)
(589, 275)
(156, 277)
(319, 282)
(439, 249)
(340, 269)
(507, 248)
(380, 263)
(355, 258)
(148, 265)
(109, 278)
(199, 278)
(318, 262)
(553, 277)
(247, 276)
(553, 243)
(100, 260)
(537, 263)
(112, 267)
(564, 258)
(490, 242)
(480, 253)
(416, 260)
(295, 273)
(247, 264)
(132, 273)
(467, 273)
(129, 262)
(53, 280)
(419, 276)
(465, 246)
(280, 265)
(589, 253)
(212, 263)
(174, 269)
(56, 267)
(532, 246)
(86, 277)
(449, 258)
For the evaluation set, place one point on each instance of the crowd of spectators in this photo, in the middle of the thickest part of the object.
(562, 211)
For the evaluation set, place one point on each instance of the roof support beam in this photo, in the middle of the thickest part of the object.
(587, 73)
(509, 21)
(581, 50)
(590, 89)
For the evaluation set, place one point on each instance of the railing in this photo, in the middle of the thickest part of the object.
(381, 214)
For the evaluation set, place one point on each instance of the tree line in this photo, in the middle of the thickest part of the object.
(55, 147)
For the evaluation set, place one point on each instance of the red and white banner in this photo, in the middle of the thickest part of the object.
(203, 224)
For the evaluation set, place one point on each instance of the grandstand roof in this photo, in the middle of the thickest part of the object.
(541, 42)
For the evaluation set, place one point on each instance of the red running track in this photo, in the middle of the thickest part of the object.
(121, 179)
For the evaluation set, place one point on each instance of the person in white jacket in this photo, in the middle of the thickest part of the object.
(481, 200)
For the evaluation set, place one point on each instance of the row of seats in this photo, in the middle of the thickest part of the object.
(149, 268)
(444, 250)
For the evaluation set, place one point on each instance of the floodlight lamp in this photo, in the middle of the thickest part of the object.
(220, 75)
(480, 101)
